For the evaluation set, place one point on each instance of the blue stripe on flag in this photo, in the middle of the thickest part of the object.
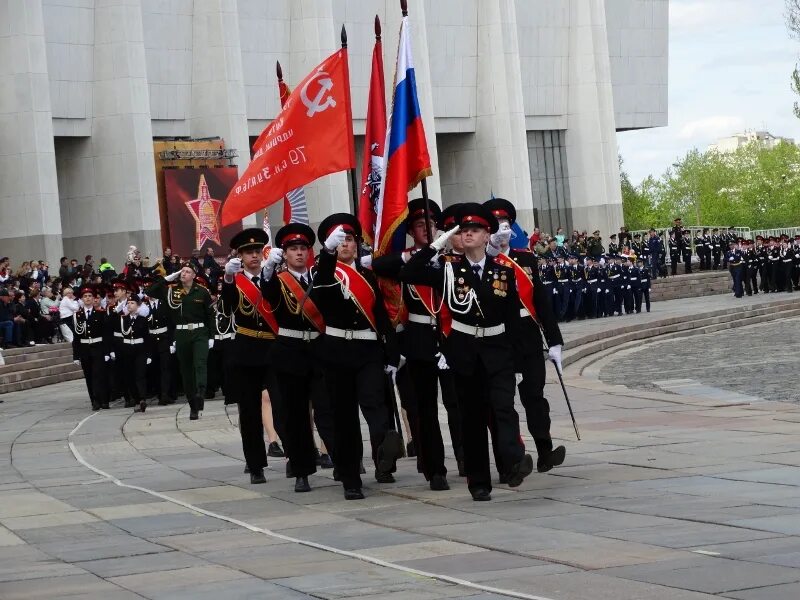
(404, 111)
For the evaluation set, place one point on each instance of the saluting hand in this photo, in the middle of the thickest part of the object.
(440, 242)
(335, 239)
(233, 266)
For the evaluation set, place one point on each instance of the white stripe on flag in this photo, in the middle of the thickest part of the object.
(299, 206)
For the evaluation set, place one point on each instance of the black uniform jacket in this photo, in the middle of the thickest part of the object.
(290, 355)
(92, 328)
(247, 350)
(497, 304)
(528, 335)
(418, 341)
(343, 313)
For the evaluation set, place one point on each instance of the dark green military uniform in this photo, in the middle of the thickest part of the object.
(194, 321)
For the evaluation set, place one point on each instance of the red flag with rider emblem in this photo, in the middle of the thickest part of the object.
(310, 137)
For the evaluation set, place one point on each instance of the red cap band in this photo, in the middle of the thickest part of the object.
(475, 219)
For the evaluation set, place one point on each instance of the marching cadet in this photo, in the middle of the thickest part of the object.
(189, 305)
(256, 329)
(161, 335)
(644, 284)
(292, 357)
(219, 355)
(420, 344)
(761, 250)
(736, 268)
(719, 244)
(117, 307)
(787, 260)
(674, 246)
(594, 290)
(627, 285)
(686, 252)
(614, 286)
(773, 265)
(91, 347)
(358, 347)
(750, 267)
(134, 357)
(707, 248)
(536, 320)
(635, 281)
(577, 289)
(481, 294)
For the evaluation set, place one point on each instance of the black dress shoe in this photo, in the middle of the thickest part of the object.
(439, 483)
(142, 405)
(324, 461)
(353, 494)
(381, 477)
(275, 450)
(520, 471)
(301, 485)
(258, 477)
(552, 459)
(481, 494)
(193, 415)
(411, 452)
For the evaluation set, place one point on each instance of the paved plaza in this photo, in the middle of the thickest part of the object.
(668, 496)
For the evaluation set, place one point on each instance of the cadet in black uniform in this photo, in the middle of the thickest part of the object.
(161, 338)
(219, 363)
(719, 244)
(285, 281)
(528, 334)
(420, 344)
(481, 294)
(736, 268)
(358, 347)
(674, 252)
(686, 252)
(91, 347)
(134, 352)
(256, 329)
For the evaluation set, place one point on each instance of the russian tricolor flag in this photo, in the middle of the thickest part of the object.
(406, 159)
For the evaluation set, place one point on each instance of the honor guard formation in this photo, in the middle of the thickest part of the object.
(304, 342)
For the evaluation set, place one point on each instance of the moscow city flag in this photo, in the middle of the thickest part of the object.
(406, 160)
(310, 137)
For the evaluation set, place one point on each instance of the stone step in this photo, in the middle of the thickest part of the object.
(36, 349)
(35, 382)
(53, 355)
(34, 362)
(51, 369)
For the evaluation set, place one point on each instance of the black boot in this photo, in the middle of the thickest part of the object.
(548, 457)
(301, 485)
(257, 477)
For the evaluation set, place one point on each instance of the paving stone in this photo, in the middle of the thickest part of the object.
(51, 520)
(789, 591)
(57, 587)
(144, 563)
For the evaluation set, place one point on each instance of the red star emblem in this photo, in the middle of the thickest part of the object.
(205, 211)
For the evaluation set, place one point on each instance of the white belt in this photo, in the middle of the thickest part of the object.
(421, 319)
(547, 282)
(296, 334)
(592, 281)
(118, 334)
(191, 326)
(350, 334)
(563, 280)
(524, 312)
(134, 341)
(479, 332)
(158, 331)
(223, 336)
(91, 340)
(613, 276)
(634, 279)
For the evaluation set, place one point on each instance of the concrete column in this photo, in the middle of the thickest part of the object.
(502, 148)
(422, 70)
(118, 205)
(591, 139)
(218, 98)
(30, 224)
(315, 36)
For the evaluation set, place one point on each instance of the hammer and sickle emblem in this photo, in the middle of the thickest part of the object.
(320, 103)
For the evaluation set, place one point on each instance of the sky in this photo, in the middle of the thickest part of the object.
(730, 63)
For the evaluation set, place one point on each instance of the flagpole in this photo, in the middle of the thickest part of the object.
(353, 182)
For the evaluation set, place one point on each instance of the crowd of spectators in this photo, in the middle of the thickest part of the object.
(36, 301)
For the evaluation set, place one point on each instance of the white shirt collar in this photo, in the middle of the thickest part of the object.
(481, 263)
(297, 274)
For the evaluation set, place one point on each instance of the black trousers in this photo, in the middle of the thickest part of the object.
(161, 370)
(450, 400)
(134, 370)
(487, 400)
(248, 396)
(674, 258)
(424, 379)
(687, 262)
(349, 388)
(295, 396)
(93, 363)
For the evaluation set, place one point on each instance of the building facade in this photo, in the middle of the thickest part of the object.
(738, 140)
(521, 99)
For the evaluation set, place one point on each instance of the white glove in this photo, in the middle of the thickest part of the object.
(518, 378)
(390, 370)
(149, 361)
(112, 355)
(366, 261)
(76, 362)
(554, 354)
(107, 357)
(233, 266)
(442, 362)
(629, 287)
(274, 258)
(401, 363)
(173, 276)
(210, 343)
(335, 239)
(502, 237)
(440, 242)
(172, 348)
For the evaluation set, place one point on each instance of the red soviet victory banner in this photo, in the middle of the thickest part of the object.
(310, 137)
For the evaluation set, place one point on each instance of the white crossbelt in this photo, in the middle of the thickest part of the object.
(91, 340)
(479, 332)
(134, 341)
(158, 331)
(350, 334)
(191, 326)
(421, 319)
(296, 334)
